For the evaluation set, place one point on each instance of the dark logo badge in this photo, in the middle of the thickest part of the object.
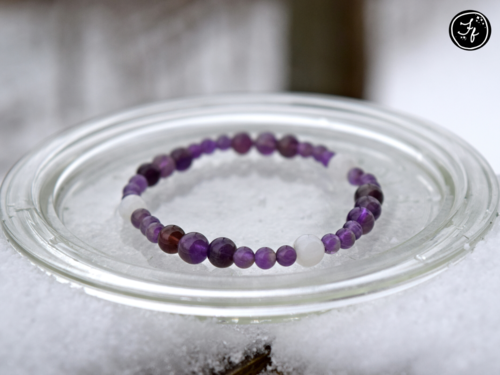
(470, 30)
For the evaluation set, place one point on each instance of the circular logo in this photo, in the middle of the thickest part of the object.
(470, 30)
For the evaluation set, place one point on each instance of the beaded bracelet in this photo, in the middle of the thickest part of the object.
(194, 248)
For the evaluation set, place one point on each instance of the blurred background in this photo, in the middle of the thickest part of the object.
(65, 61)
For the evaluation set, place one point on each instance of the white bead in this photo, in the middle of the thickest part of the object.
(310, 250)
(129, 204)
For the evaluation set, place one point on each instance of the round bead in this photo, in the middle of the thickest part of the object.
(310, 250)
(286, 256)
(131, 188)
(244, 257)
(223, 142)
(265, 258)
(354, 176)
(153, 231)
(265, 143)
(169, 238)
(371, 204)
(138, 215)
(364, 217)
(305, 149)
(146, 222)
(208, 146)
(221, 252)
(151, 172)
(347, 238)
(129, 204)
(193, 248)
(331, 243)
(195, 150)
(287, 146)
(241, 143)
(355, 227)
(369, 190)
(182, 157)
(140, 181)
(166, 165)
(368, 178)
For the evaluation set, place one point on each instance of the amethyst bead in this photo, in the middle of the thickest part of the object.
(287, 146)
(242, 143)
(166, 165)
(244, 257)
(354, 176)
(265, 258)
(368, 178)
(138, 215)
(364, 217)
(151, 172)
(146, 222)
(195, 150)
(355, 227)
(193, 248)
(131, 188)
(266, 143)
(371, 204)
(305, 149)
(221, 252)
(223, 142)
(369, 190)
(286, 256)
(318, 152)
(347, 238)
(326, 157)
(208, 146)
(140, 181)
(182, 158)
(153, 231)
(331, 242)
(169, 238)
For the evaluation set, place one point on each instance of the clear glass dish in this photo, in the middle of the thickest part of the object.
(58, 205)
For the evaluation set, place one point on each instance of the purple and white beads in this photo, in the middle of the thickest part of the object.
(194, 248)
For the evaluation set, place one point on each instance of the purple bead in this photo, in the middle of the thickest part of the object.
(146, 222)
(195, 150)
(138, 215)
(151, 172)
(223, 142)
(331, 242)
(287, 146)
(193, 248)
(369, 190)
(153, 231)
(346, 237)
(131, 188)
(318, 152)
(182, 158)
(286, 256)
(354, 176)
(208, 146)
(355, 227)
(371, 204)
(326, 157)
(242, 143)
(221, 252)
(244, 257)
(140, 181)
(166, 165)
(265, 143)
(364, 217)
(265, 258)
(368, 178)
(305, 149)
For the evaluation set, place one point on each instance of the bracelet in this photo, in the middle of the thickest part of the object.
(308, 250)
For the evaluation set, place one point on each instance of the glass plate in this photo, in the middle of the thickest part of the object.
(58, 205)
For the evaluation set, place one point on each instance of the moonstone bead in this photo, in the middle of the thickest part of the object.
(369, 190)
(310, 250)
(195, 150)
(265, 258)
(138, 215)
(169, 238)
(223, 142)
(347, 238)
(331, 242)
(221, 252)
(286, 256)
(364, 217)
(153, 231)
(140, 181)
(355, 227)
(265, 143)
(193, 248)
(166, 165)
(287, 146)
(305, 149)
(244, 257)
(182, 157)
(146, 222)
(208, 146)
(371, 204)
(242, 143)
(354, 176)
(150, 171)
(129, 204)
